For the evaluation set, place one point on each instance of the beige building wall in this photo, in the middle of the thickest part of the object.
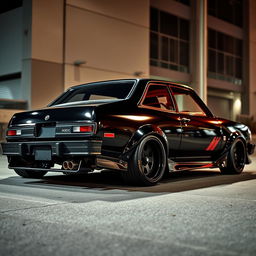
(110, 39)
(46, 51)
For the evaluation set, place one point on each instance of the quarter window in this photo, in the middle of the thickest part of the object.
(158, 96)
(186, 103)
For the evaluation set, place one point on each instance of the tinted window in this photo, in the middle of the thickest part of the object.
(225, 57)
(154, 19)
(153, 45)
(158, 96)
(186, 103)
(228, 10)
(184, 29)
(169, 41)
(111, 90)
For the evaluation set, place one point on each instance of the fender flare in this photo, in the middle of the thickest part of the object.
(140, 134)
(232, 137)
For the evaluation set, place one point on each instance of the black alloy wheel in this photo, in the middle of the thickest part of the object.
(147, 165)
(236, 158)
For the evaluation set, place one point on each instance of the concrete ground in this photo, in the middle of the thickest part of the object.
(188, 213)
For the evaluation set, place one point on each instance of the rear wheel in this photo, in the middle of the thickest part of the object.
(236, 159)
(30, 174)
(147, 165)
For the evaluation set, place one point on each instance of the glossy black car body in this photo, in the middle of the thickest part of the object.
(140, 127)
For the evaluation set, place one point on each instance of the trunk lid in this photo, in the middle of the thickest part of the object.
(59, 113)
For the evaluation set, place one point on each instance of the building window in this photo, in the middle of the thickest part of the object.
(225, 57)
(228, 10)
(169, 41)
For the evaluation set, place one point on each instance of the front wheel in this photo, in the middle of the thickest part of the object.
(147, 165)
(30, 174)
(236, 159)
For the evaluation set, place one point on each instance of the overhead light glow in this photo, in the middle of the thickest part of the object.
(215, 122)
(135, 118)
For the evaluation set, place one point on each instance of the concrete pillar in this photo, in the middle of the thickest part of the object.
(251, 59)
(26, 51)
(199, 47)
(42, 56)
(47, 51)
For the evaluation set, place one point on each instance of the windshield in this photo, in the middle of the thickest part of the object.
(102, 91)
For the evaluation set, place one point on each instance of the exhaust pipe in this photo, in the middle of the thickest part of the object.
(65, 165)
(70, 165)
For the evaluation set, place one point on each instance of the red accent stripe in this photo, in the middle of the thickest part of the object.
(213, 144)
(210, 145)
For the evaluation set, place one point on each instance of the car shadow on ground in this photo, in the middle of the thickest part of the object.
(172, 182)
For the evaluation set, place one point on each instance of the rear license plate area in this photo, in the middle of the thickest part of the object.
(45, 130)
(43, 153)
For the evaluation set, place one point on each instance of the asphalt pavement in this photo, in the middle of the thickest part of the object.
(188, 213)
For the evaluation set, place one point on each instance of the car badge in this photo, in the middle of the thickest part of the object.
(47, 118)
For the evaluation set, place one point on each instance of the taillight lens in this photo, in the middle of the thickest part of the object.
(87, 128)
(13, 132)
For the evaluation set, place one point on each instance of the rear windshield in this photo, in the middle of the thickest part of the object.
(103, 91)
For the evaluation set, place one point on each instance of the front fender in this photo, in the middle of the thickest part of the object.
(140, 134)
(231, 138)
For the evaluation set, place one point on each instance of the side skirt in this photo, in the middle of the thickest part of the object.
(184, 166)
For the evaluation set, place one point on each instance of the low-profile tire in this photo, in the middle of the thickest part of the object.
(147, 165)
(30, 174)
(236, 158)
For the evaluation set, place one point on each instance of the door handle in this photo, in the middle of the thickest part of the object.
(185, 120)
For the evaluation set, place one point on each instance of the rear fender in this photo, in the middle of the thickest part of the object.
(140, 134)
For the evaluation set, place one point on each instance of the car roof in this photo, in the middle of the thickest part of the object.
(167, 82)
(144, 80)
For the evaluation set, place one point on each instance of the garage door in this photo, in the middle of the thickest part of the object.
(220, 106)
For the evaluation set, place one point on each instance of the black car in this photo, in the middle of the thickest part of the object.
(140, 127)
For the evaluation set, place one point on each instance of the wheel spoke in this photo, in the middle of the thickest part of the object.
(146, 169)
(151, 160)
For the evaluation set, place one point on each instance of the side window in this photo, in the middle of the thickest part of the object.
(77, 97)
(186, 103)
(158, 96)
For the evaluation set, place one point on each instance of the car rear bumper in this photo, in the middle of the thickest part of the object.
(56, 148)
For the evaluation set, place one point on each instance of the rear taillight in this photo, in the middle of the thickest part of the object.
(13, 132)
(84, 128)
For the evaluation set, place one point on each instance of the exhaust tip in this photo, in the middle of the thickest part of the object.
(72, 165)
(65, 165)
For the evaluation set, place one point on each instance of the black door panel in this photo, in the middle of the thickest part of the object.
(201, 137)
